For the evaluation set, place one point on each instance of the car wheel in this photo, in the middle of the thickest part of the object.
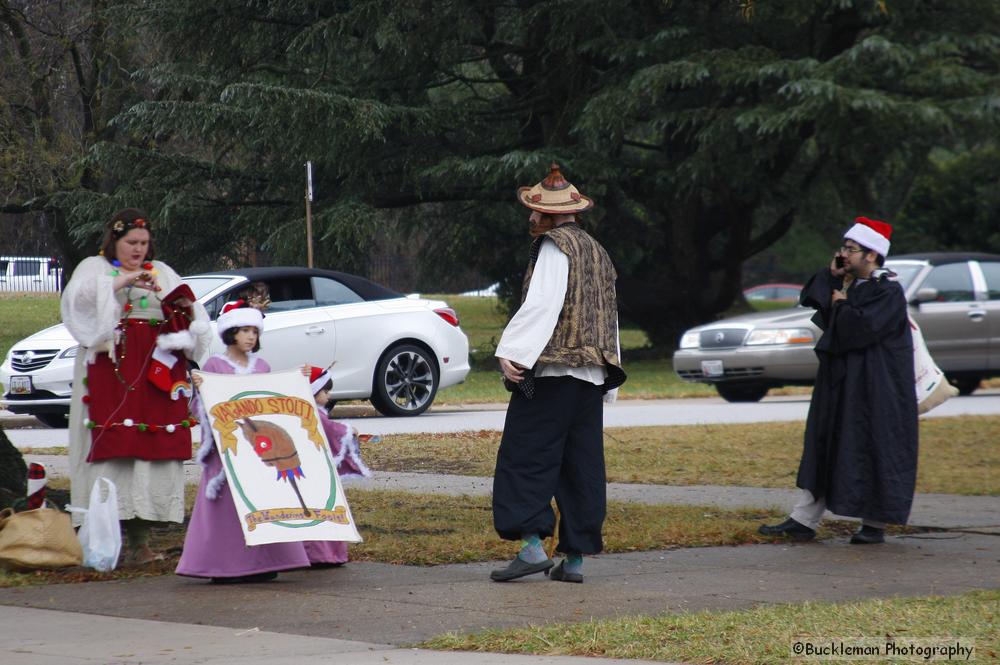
(966, 384)
(747, 392)
(53, 420)
(406, 381)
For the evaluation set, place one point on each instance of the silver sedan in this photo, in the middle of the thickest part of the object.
(954, 298)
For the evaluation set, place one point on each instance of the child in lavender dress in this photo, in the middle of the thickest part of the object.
(346, 455)
(214, 546)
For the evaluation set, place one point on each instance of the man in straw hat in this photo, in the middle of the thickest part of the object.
(559, 357)
(860, 452)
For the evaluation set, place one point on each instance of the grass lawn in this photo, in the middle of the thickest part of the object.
(647, 379)
(431, 529)
(761, 635)
(23, 315)
(483, 319)
(956, 455)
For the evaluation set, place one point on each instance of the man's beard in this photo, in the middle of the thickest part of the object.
(545, 223)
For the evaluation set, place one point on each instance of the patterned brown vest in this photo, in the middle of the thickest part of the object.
(586, 331)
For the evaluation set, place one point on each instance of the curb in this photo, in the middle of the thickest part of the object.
(10, 420)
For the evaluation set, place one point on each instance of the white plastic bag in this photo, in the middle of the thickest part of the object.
(100, 534)
(932, 386)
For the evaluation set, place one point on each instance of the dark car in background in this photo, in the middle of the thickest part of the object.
(954, 298)
(777, 292)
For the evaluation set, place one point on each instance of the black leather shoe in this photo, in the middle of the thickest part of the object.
(519, 568)
(243, 579)
(868, 535)
(789, 529)
(559, 574)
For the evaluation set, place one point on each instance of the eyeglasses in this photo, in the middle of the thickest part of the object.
(850, 250)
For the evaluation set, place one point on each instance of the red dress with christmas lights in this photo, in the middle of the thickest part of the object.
(129, 416)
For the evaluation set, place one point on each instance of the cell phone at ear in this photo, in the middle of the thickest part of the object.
(838, 261)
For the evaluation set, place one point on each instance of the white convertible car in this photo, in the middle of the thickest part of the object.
(394, 350)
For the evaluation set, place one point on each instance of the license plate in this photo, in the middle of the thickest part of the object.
(20, 385)
(712, 368)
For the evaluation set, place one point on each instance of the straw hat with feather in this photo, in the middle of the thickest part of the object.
(554, 195)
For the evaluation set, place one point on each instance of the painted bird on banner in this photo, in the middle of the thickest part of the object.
(275, 448)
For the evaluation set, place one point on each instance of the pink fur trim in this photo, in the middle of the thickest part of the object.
(349, 447)
(214, 486)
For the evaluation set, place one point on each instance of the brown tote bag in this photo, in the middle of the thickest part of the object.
(41, 538)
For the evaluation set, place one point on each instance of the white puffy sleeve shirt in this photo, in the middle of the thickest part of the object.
(531, 328)
(90, 310)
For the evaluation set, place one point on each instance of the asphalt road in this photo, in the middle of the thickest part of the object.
(625, 413)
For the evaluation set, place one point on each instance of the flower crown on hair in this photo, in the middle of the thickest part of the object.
(120, 227)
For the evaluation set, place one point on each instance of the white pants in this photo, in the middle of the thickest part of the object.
(809, 510)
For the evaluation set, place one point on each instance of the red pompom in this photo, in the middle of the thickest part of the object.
(147, 266)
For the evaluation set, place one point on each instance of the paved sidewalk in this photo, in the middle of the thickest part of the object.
(47, 637)
(369, 613)
(624, 413)
(373, 605)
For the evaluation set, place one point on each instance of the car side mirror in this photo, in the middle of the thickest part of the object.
(926, 294)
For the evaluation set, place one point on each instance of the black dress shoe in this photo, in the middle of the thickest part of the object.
(868, 535)
(559, 574)
(789, 529)
(519, 568)
(244, 579)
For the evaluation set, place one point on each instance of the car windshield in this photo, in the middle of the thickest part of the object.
(905, 272)
(205, 285)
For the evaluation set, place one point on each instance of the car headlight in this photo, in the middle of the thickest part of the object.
(780, 336)
(690, 340)
(70, 352)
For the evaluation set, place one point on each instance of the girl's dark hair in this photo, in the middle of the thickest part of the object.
(229, 337)
(121, 223)
(328, 386)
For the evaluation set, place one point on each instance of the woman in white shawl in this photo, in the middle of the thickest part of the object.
(136, 323)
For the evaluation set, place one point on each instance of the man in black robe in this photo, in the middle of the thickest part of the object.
(860, 452)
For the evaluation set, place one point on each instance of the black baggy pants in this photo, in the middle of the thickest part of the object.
(553, 445)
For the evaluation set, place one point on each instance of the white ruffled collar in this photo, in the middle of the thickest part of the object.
(238, 368)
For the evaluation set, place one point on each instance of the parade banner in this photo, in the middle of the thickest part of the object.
(276, 457)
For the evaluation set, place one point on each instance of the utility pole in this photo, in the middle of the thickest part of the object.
(309, 221)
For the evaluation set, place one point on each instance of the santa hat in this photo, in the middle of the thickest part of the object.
(318, 378)
(870, 233)
(179, 327)
(238, 314)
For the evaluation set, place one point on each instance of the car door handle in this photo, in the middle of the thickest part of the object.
(315, 330)
(977, 315)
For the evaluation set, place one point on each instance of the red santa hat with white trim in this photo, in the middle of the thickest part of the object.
(238, 314)
(872, 234)
(318, 378)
